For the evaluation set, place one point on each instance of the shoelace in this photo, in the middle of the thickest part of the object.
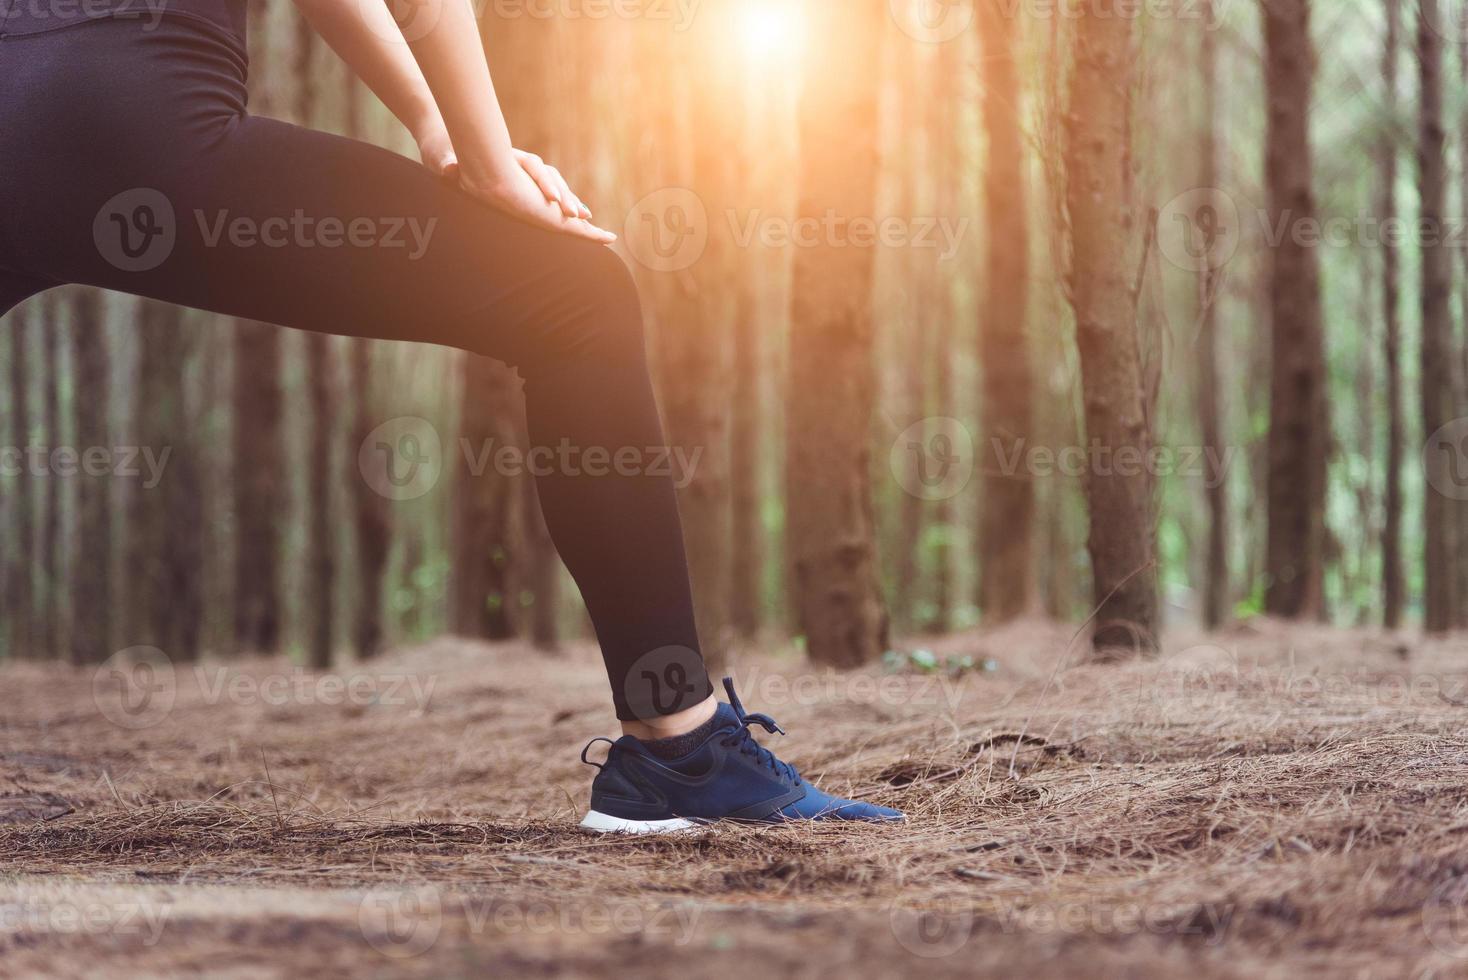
(743, 739)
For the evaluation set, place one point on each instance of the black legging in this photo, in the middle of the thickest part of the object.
(106, 128)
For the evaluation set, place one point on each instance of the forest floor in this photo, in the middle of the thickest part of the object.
(1270, 802)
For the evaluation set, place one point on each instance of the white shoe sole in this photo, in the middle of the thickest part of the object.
(601, 823)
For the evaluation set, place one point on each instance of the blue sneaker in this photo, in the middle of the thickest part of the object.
(729, 777)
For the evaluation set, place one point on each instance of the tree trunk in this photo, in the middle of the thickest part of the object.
(91, 602)
(746, 592)
(320, 539)
(1437, 325)
(165, 605)
(1210, 280)
(372, 515)
(832, 382)
(1297, 415)
(1007, 578)
(259, 470)
(53, 571)
(1119, 487)
(485, 504)
(20, 581)
(1391, 536)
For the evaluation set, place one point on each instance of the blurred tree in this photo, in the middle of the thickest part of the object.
(91, 564)
(20, 577)
(1437, 323)
(485, 547)
(1391, 536)
(164, 533)
(1210, 282)
(1119, 487)
(371, 511)
(1298, 429)
(831, 390)
(1004, 549)
(52, 564)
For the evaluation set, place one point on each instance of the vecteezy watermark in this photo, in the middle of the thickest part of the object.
(933, 458)
(932, 21)
(933, 930)
(1445, 460)
(402, 459)
(138, 230)
(407, 921)
(1208, 675)
(59, 915)
(832, 687)
(138, 688)
(1445, 917)
(940, 21)
(1207, 463)
(304, 231)
(135, 688)
(669, 230)
(401, 922)
(123, 462)
(663, 462)
(38, 12)
(1201, 229)
(664, 681)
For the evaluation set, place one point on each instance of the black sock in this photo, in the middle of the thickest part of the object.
(677, 746)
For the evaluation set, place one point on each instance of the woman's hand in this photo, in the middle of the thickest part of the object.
(436, 151)
(526, 197)
(554, 186)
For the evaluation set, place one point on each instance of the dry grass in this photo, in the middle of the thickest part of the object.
(1273, 802)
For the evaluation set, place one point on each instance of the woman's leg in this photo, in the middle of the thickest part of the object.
(154, 182)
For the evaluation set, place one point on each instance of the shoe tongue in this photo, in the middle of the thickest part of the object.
(725, 717)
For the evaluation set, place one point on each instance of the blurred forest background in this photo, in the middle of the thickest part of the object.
(1095, 244)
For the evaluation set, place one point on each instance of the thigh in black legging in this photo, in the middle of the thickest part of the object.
(132, 166)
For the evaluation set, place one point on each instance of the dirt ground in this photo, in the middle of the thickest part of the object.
(1271, 802)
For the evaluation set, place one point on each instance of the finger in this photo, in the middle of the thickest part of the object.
(569, 201)
(548, 186)
(588, 230)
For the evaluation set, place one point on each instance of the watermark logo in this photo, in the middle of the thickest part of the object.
(930, 931)
(664, 681)
(1445, 460)
(933, 458)
(402, 459)
(1201, 676)
(1445, 917)
(135, 688)
(932, 21)
(1199, 230)
(136, 230)
(668, 230)
(401, 922)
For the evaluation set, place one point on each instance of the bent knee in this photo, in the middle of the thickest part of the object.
(597, 311)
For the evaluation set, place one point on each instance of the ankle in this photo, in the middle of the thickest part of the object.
(670, 726)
